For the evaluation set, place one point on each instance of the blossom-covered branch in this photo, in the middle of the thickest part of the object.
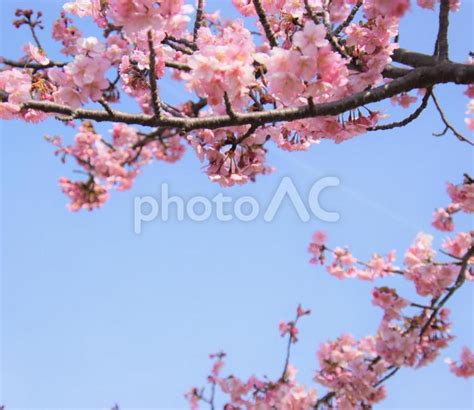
(316, 73)
(410, 335)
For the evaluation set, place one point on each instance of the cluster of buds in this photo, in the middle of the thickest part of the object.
(27, 17)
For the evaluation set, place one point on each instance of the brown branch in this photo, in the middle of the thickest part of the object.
(325, 399)
(228, 107)
(34, 66)
(309, 12)
(447, 124)
(183, 41)
(461, 279)
(330, 35)
(177, 66)
(199, 19)
(155, 99)
(32, 24)
(413, 59)
(177, 47)
(264, 22)
(349, 18)
(412, 117)
(423, 77)
(442, 45)
(388, 376)
(249, 133)
(107, 107)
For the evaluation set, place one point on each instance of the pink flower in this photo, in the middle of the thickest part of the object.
(90, 47)
(404, 100)
(193, 398)
(17, 85)
(349, 370)
(426, 4)
(459, 245)
(342, 266)
(67, 34)
(389, 301)
(420, 252)
(431, 279)
(36, 54)
(396, 346)
(463, 195)
(223, 63)
(466, 367)
(83, 195)
(289, 328)
(88, 73)
(300, 312)
(378, 267)
(317, 247)
(389, 8)
(310, 38)
(443, 220)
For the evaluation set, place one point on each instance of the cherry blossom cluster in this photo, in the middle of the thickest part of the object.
(410, 334)
(110, 163)
(254, 393)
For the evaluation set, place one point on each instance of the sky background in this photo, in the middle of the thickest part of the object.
(93, 314)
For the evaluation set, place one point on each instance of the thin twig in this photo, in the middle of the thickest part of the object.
(412, 117)
(447, 124)
(106, 106)
(155, 99)
(33, 33)
(388, 376)
(228, 107)
(459, 282)
(349, 18)
(199, 19)
(330, 35)
(34, 66)
(177, 47)
(264, 22)
(177, 66)
(248, 134)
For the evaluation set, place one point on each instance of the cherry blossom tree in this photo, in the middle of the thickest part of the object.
(308, 72)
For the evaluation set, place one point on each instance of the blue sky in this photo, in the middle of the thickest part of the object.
(93, 314)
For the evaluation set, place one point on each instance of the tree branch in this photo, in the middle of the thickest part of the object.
(442, 45)
(264, 22)
(34, 66)
(155, 99)
(423, 77)
(436, 306)
(412, 117)
(349, 18)
(413, 59)
(199, 18)
(447, 124)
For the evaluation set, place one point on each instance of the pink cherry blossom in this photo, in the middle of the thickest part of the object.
(390, 8)
(36, 54)
(88, 73)
(317, 247)
(83, 195)
(389, 300)
(443, 220)
(463, 195)
(311, 38)
(466, 366)
(459, 245)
